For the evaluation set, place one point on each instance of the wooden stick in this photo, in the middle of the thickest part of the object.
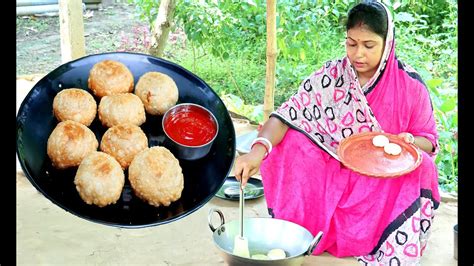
(271, 60)
(162, 27)
(71, 27)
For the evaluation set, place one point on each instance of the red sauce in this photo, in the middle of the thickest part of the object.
(190, 127)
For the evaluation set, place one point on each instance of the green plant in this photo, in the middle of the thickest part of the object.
(146, 10)
(445, 107)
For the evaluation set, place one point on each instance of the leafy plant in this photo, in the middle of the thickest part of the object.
(146, 10)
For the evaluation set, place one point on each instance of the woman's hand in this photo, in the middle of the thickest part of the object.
(407, 137)
(249, 164)
(421, 142)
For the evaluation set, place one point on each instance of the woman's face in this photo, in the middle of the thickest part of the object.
(364, 49)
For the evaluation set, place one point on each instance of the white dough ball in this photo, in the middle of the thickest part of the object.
(393, 149)
(276, 254)
(380, 141)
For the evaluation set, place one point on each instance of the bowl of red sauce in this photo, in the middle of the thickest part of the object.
(190, 130)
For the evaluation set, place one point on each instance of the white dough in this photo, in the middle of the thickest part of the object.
(259, 257)
(276, 254)
(380, 141)
(393, 149)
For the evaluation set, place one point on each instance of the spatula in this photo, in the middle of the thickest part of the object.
(241, 244)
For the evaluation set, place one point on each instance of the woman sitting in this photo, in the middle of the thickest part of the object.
(378, 220)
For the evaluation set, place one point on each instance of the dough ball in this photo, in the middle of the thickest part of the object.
(110, 77)
(276, 254)
(156, 176)
(380, 141)
(69, 143)
(123, 142)
(99, 179)
(393, 149)
(121, 109)
(157, 91)
(76, 105)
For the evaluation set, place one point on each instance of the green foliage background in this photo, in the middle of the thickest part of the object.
(226, 45)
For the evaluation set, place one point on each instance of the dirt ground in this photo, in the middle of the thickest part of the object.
(112, 28)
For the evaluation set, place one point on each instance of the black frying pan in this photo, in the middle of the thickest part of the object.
(202, 178)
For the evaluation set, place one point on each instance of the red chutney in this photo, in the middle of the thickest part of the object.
(190, 127)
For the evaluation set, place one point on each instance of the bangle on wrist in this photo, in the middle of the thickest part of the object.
(264, 146)
(265, 143)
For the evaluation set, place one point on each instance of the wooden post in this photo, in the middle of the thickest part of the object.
(268, 103)
(71, 27)
(161, 27)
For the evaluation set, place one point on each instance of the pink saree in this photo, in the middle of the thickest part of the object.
(379, 221)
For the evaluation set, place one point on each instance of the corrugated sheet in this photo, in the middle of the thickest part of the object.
(31, 7)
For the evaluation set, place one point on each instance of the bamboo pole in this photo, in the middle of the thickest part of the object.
(268, 103)
(71, 28)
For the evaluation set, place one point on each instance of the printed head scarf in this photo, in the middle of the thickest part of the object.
(330, 104)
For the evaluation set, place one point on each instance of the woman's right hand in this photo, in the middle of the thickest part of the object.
(249, 164)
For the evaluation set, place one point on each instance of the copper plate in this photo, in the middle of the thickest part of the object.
(359, 154)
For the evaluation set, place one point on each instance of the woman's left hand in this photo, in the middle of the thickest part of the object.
(407, 137)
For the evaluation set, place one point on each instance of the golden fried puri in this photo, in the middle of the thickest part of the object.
(76, 105)
(99, 179)
(69, 143)
(110, 77)
(121, 109)
(156, 176)
(123, 142)
(157, 91)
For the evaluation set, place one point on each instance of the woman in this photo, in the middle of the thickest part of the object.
(375, 219)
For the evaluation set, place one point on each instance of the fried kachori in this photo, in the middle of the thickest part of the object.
(109, 77)
(123, 142)
(157, 91)
(99, 179)
(156, 176)
(121, 108)
(69, 143)
(76, 105)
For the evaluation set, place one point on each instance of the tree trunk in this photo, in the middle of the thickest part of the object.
(161, 27)
(268, 101)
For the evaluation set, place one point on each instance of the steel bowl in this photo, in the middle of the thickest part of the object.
(264, 234)
(202, 178)
(183, 151)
